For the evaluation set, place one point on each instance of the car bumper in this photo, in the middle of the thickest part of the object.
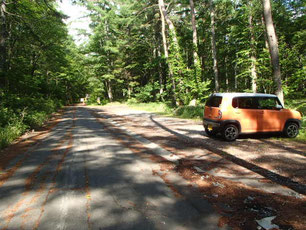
(211, 124)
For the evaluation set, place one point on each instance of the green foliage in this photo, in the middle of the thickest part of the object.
(189, 111)
(41, 68)
(10, 132)
(146, 93)
(23, 114)
(7, 116)
(35, 119)
(94, 100)
(127, 45)
(156, 107)
(18, 114)
(167, 109)
(132, 101)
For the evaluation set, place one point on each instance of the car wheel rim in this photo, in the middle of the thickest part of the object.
(230, 133)
(292, 131)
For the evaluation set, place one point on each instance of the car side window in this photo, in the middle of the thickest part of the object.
(268, 103)
(245, 102)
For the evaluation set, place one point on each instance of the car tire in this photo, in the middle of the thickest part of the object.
(210, 133)
(230, 132)
(291, 130)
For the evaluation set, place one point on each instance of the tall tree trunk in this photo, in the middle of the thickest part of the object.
(273, 48)
(253, 51)
(169, 22)
(194, 34)
(158, 56)
(163, 20)
(160, 74)
(265, 32)
(213, 45)
(226, 74)
(164, 33)
(203, 67)
(3, 43)
(109, 90)
(236, 80)
(196, 60)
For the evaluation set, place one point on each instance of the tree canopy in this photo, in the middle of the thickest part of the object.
(183, 50)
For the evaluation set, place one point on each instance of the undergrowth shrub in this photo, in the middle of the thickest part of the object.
(35, 119)
(93, 100)
(10, 132)
(189, 111)
(132, 101)
(7, 116)
(18, 114)
(156, 107)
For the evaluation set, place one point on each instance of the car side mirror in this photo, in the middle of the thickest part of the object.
(278, 107)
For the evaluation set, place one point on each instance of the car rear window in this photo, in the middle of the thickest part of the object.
(214, 101)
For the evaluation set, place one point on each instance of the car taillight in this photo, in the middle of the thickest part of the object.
(219, 114)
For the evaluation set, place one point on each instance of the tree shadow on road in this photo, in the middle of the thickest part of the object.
(274, 177)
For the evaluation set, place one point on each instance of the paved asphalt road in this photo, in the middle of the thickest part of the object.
(81, 176)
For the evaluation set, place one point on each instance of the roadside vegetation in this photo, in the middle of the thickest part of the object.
(155, 107)
(22, 114)
(165, 109)
(39, 66)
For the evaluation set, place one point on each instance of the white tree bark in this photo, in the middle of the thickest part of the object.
(273, 48)
(194, 34)
(3, 40)
(253, 51)
(169, 22)
(213, 45)
(166, 52)
(163, 12)
(160, 73)
(109, 90)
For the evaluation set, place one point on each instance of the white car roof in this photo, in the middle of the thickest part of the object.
(243, 95)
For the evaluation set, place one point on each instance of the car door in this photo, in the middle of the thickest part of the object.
(246, 112)
(270, 116)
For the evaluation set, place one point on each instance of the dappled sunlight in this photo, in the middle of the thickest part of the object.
(89, 179)
(224, 171)
(92, 174)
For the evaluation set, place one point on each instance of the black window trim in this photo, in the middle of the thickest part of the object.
(277, 99)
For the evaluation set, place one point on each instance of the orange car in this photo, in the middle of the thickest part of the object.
(233, 113)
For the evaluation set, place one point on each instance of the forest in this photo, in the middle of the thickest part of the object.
(174, 52)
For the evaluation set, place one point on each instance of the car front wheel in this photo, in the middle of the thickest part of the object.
(230, 132)
(291, 130)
